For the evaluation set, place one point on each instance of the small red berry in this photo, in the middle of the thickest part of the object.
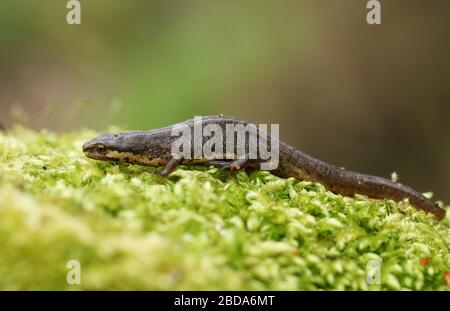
(447, 277)
(424, 261)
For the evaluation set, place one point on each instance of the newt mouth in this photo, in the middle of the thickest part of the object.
(100, 152)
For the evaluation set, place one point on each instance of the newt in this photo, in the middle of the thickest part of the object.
(154, 148)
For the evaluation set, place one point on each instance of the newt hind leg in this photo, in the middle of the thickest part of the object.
(234, 165)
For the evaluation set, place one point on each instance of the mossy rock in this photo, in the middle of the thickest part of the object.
(131, 229)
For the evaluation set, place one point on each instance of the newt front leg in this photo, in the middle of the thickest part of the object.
(170, 167)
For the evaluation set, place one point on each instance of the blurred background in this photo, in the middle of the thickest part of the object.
(375, 99)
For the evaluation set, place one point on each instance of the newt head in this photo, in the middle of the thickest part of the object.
(142, 148)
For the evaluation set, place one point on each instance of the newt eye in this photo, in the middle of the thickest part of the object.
(100, 149)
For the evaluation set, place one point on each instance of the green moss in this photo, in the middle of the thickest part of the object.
(131, 229)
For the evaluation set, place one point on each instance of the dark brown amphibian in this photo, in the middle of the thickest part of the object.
(153, 148)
